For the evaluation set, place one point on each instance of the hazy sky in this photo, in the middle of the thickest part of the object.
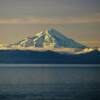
(78, 19)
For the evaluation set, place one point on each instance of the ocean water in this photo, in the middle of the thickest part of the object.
(46, 82)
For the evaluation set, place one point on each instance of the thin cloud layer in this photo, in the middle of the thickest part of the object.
(69, 20)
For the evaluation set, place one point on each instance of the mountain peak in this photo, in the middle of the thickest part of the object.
(50, 38)
(51, 29)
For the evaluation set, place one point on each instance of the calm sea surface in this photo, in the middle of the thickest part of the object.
(49, 82)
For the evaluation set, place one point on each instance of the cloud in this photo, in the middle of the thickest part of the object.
(91, 42)
(68, 20)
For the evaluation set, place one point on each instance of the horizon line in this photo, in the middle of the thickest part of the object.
(48, 65)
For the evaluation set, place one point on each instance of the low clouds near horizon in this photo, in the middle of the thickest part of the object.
(42, 20)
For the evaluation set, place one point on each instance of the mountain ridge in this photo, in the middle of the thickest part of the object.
(47, 57)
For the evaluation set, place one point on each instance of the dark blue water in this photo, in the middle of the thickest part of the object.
(49, 83)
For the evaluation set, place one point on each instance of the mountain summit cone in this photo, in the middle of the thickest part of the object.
(50, 38)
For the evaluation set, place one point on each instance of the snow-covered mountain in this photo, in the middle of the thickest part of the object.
(50, 38)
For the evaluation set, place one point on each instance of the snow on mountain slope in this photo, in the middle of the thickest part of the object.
(50, 38)
(85, 50)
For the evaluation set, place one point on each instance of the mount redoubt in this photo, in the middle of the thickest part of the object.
(48, 47)
(50, 38)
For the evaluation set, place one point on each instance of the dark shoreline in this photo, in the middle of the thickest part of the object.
(47, 57)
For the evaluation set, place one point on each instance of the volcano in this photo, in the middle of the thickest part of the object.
(50, 38)
(73, 53)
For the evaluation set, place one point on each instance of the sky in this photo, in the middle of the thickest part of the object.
(77, 19)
